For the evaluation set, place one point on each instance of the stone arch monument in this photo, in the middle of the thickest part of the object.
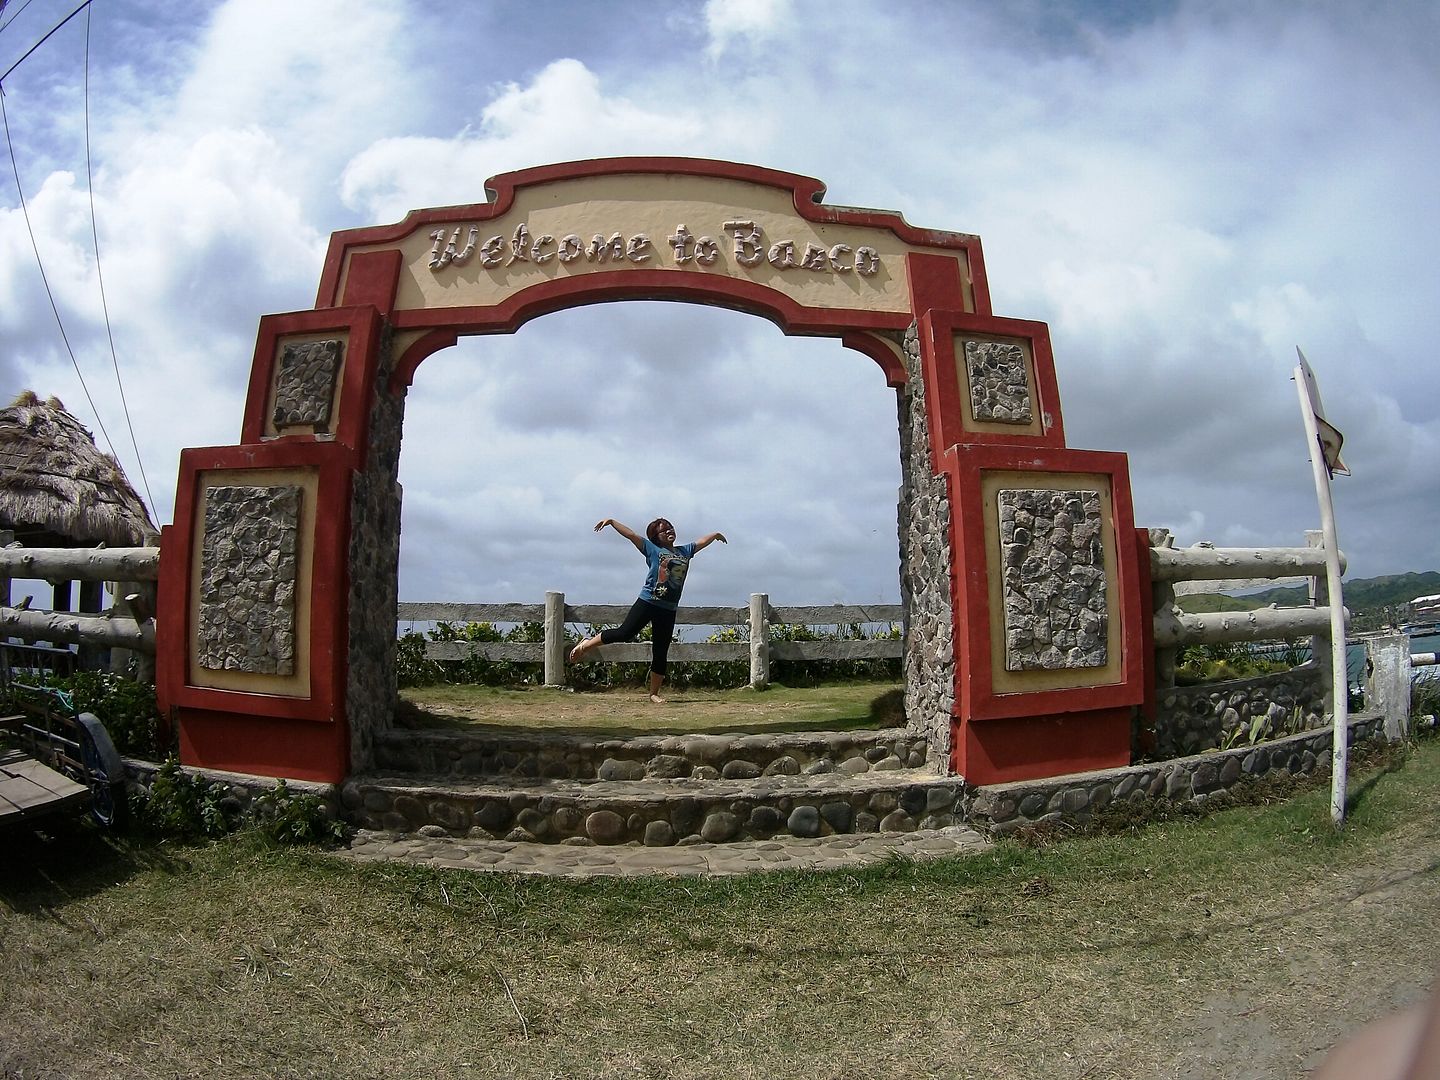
(1020, 571)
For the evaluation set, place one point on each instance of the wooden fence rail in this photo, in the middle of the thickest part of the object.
(130, 625)
(757, 618)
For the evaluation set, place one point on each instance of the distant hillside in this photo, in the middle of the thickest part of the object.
(1362, 596)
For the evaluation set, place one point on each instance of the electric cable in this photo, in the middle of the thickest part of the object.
(42, 41)
(17, 14)
(100, 276)
(44, 278)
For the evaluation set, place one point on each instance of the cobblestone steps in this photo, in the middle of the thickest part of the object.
(560, 755)
(656, 811)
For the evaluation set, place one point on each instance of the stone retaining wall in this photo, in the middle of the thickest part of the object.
(659, 813)
(665, 757)
(242, 788)
(1192, 719)
(1006, 807)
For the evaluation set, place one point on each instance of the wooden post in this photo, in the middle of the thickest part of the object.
(1319, 593)
(91, 657)
(1387, 681)
(554, 639)
(1163, 599)
(759, 641)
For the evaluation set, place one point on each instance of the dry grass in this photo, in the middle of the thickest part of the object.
(834, 707)
(1237, 945)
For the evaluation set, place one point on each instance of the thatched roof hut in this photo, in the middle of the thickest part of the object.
(57, 489)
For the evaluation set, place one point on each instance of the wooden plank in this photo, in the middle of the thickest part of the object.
(463, 613)
(41, 775)
(878, 649)
(514, 651)
(837, 614)
(610, 614)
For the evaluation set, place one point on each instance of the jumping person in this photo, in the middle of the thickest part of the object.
(659, 598)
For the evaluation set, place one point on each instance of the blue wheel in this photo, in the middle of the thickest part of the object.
(105, 771)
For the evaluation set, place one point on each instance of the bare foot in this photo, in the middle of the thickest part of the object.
(578, 651)
(656, 699)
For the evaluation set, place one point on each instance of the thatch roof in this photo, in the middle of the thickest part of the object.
(57, 489)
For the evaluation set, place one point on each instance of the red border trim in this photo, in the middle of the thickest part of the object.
(330, 586)
(975, 697)
(943, 405)
(361, 357)
(807, 194)
(895, 374)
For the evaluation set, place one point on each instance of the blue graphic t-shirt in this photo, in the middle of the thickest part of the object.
(666, 574)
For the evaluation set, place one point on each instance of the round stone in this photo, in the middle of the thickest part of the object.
(520, 836)
(897, 821)
(783, 766)
(839, 816)
(432, 831)
(659, 834)
(704, 772)
(740, 769)
(912, 800)
(617, 769)
(854, 765)
(764, 821)
(567, 819)
(532, 820)
(804, 821)
(866, 822)
(493, 815)
(605, 827)
(667, 767)
(719, 827)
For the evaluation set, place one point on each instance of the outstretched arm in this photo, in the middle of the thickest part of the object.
(706, 541)
(625, 531)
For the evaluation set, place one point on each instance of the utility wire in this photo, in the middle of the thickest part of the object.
(15, 167)
(18, 11)
(12, 18)
(104, 304)
(44, 39)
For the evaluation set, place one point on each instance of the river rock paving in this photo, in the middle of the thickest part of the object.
(634, 860)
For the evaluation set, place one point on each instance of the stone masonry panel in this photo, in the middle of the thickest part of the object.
(1054, 584)
(305, 385)
(248, 571)
(999, 392)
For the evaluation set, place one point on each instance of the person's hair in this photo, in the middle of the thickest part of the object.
(653, 529)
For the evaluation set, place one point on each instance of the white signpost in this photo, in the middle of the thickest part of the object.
(1324, 442)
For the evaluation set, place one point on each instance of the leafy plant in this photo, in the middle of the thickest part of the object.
(188, 807)
(185, 806)
(289, 818)
(127, 709)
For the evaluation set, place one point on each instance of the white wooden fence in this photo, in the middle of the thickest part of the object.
(756, 618)
(130, 624)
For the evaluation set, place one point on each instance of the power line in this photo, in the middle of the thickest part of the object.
(42, 41)
(104, 304)
(15, 167)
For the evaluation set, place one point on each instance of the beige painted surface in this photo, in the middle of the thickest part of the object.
(655, 205)
(298, 684)
(962, 373)
(1013, 682)
(271, 432)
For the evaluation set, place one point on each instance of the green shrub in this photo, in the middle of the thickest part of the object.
(187, 807)
(127, 709)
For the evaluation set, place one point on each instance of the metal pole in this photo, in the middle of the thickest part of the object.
(1339, 676)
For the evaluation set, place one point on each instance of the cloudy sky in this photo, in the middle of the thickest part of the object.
(1185, 192)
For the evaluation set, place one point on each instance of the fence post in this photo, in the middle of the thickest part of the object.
(554, 639)
(759, 641)
(1163, 599)
(1387, 681)
(1319, 590)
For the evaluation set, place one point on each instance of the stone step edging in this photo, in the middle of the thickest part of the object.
(656, 813)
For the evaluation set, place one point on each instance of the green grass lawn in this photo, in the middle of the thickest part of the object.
(832, 707)
(1239, 944)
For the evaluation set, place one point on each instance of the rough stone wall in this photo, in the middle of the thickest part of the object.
(1192, 719)
(998, 391)
(1003, 808)
(1054, 579)
(374, 570)
(305, 386)
(924, 527)
(247, 579)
